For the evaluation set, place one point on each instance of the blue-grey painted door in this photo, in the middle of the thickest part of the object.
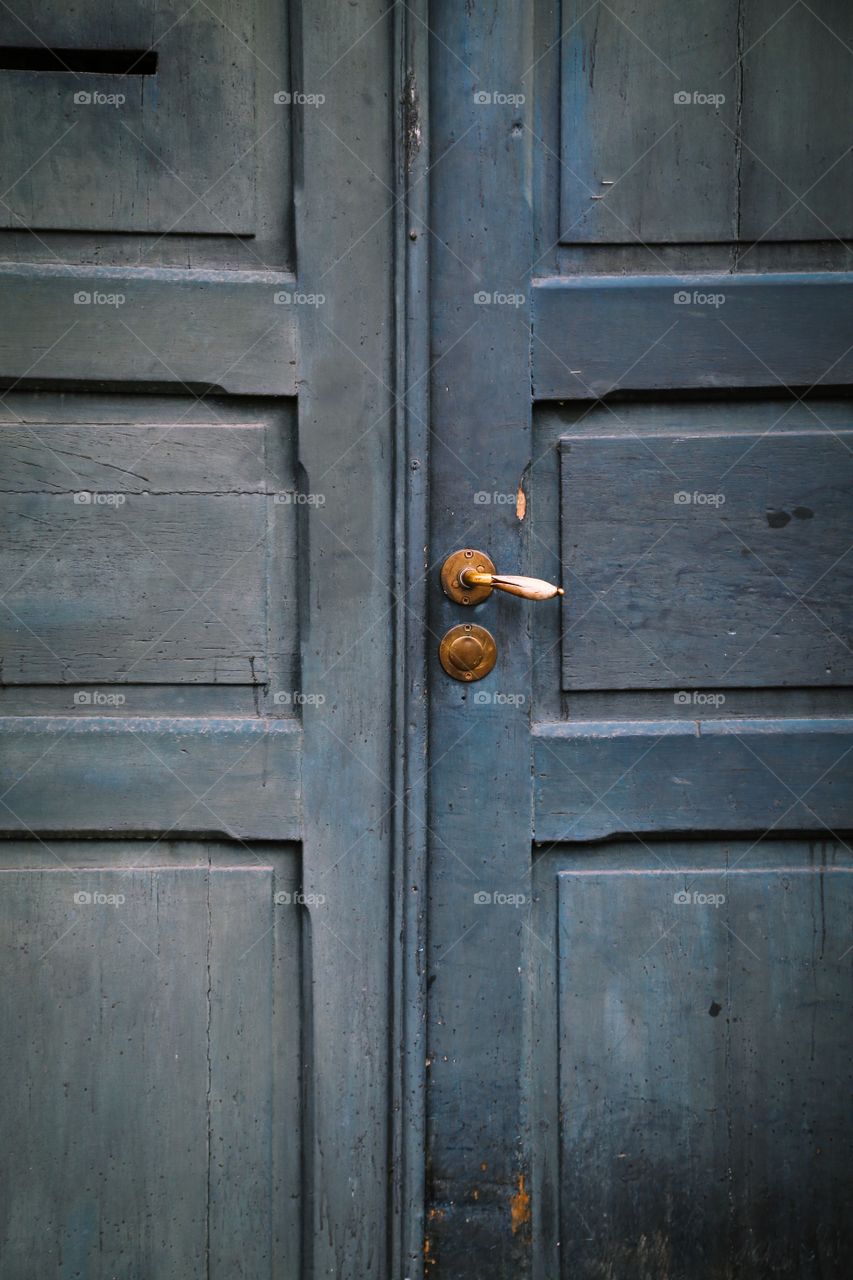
(639, 956)
(197, 687)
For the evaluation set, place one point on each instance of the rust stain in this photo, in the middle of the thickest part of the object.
(520, 503)
(436, 1215)
(429, 1260)
(520, 1206)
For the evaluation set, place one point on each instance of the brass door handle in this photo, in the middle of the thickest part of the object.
(469, 576)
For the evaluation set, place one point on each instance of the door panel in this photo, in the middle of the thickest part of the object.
(743, 583)
(197, 1070)
(719, 143)
(199, 687)
(127, 149)
(683, 1048)
(627, 1080)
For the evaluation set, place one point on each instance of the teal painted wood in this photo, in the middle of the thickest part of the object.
(174, 964)
(745, 579)
(589, 760)
(479, 817)
(602, 778)
(142, 326)
(709, 982)
(680, 331)
(177, 389)
(666, 136)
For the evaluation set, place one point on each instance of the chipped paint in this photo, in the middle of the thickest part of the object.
(521, 503)
(520, 1207)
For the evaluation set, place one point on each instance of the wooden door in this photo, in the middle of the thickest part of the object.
(639, 939)
(198, 683)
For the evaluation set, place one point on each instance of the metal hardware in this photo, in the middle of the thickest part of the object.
(469, 576)
(468, 652)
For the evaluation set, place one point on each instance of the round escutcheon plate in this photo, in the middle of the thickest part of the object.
(467, 558)
(468, 652)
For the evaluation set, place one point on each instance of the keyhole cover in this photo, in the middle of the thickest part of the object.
(468, 652)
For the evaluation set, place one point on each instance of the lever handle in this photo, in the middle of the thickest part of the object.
(469, 576)
(514, 584)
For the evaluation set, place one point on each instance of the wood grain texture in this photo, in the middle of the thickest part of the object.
(686, 127)
(345, 238)
(603, 778)
(706, 1029)
(93, 774)
(190, 330)
(638, 164)
(173, 1086)
(168, 152)
(770, 331)
(479, 817)
(707, 562)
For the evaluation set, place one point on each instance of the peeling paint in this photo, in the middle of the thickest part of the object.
(521, 503)
(520, 1206)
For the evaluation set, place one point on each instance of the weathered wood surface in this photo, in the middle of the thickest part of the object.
(479, 820)
(168, 152)
(707, 562)
(594, 335)
(704, 1068)
(102, 774)
(190, 330)
(678, 129)
(140, 1024)
(601, 778)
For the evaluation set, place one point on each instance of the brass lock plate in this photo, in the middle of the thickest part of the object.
(467, 558)
(468, 652)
